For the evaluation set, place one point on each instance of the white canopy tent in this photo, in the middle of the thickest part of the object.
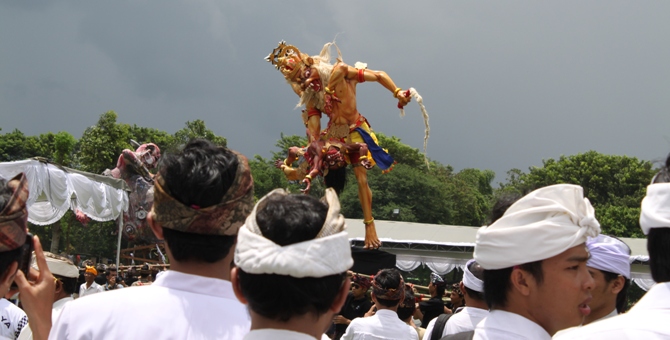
(55, 189)
(443, 248)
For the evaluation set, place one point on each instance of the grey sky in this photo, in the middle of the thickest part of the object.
(506, 83)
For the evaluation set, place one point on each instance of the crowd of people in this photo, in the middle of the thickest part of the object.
(279, 269)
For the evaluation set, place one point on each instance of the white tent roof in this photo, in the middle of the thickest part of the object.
(445, 247)
(55, 189)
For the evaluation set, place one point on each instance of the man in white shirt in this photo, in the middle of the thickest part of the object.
(65, 274)
(609, 266)
(476, 309)
(536, 280)
(388, 290)
(201, 197)
(648, 319)
(291, 261)
(90, 287)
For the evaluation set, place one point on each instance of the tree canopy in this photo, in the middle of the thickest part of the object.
(615, 185)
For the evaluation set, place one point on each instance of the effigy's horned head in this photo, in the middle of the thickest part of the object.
(289, 60)
(149, 154)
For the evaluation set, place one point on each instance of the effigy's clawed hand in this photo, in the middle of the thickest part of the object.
(367, 164)
(308, 185)
(279, 163)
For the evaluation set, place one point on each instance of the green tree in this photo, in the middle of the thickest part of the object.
(197, 129)
(615, 185)
(101, 144)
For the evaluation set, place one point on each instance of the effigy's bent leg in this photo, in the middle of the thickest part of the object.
(365, 196)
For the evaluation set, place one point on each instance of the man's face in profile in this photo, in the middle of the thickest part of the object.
(561, 300)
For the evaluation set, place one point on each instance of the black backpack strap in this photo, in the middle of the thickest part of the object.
(469, 335)
(438, 328)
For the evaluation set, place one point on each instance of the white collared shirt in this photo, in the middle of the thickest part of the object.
(14, 319)
(571, 329)
(277, 334)
(502, 325)
(647, 320)
(176, 306)
(385, 325)
(94, 288)
(464, 321)
(27, 333)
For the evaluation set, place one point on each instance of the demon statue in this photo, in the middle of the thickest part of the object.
(133, 167)
(331, 89)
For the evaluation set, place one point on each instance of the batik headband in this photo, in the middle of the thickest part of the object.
(437, 280)
(392, 294)
(13, 218)
(361, 281)
(329, 253)
(224, 218)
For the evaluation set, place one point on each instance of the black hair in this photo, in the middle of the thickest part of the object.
(663, 176)
(100, 279)
(388, 279)
(478, 272)
(200, 174)
(497, 282)
(336, 179)
(408, 305)
(69, 284)
(285, 220)
(658, 246)
(7, 257)
(502, 203)
(439, 290)
(658, 239)
(622, 297)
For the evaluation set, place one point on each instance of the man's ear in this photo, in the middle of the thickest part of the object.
(617, 285)
(462, 287)
(155, 227)
(341, 296)
(522, 281)
(235, 280)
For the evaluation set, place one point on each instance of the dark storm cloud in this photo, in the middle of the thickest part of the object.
(506, 83)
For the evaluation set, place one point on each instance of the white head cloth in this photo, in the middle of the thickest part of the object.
(57, 266)
(656, 207)
(327, 254)
(609, 254)
(542, 224)
(470, 280)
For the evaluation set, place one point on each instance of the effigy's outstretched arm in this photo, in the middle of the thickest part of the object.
(342, 71)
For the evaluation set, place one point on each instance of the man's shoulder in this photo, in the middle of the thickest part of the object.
(640, 325)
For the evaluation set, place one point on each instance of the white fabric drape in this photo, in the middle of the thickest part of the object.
(644, 283)
(54, 191)
(407, 265)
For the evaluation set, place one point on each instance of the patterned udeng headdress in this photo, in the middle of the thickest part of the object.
(224, 218)
(13, 221)
(395, 293)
